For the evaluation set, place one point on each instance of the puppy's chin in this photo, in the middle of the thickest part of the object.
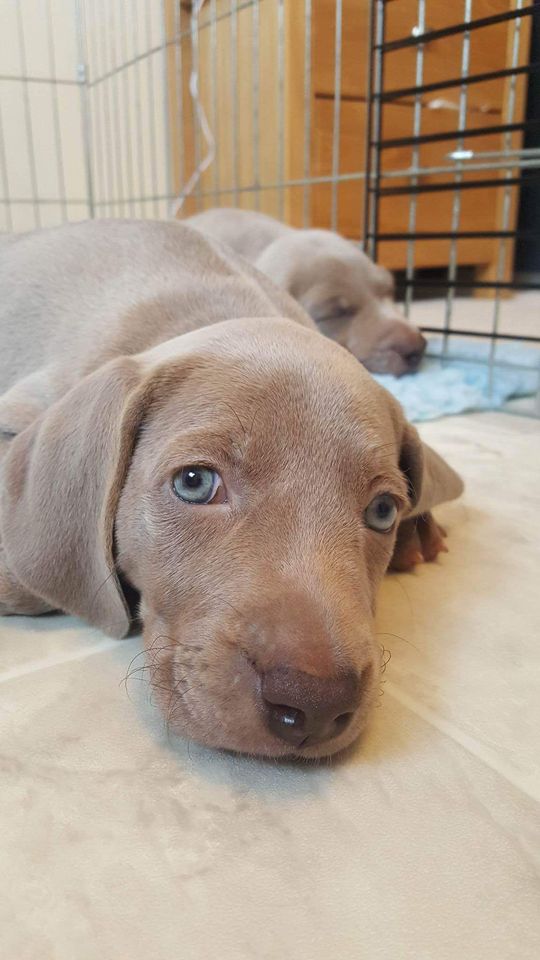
(216, 700)
(388, 362)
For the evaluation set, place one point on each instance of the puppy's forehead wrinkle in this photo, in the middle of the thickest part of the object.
(290, 405)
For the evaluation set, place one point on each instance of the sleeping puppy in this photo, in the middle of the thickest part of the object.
(348, 296)
(173, 429)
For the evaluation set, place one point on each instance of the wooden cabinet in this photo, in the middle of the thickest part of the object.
(273, 127)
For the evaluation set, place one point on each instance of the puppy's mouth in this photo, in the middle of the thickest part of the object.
(392, 362)
(280, 712)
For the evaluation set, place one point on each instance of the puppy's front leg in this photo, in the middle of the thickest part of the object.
(419, 539)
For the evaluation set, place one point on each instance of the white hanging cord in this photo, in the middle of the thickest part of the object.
(202, 120)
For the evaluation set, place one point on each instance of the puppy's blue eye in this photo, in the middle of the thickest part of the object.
(381, 513)
(196, 484)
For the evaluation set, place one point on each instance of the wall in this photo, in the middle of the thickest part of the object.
(42, 177)
(82, 111)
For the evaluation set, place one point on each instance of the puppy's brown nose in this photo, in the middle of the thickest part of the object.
(413, 352)
(304, 710)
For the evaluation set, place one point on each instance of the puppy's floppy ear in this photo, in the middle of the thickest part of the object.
(383, 281)
(430, 479)
(62, 479)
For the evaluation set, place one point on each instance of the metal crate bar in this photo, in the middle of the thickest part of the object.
(454, 134)
(233, 77)
(60, 173)
(460, 235)
(249, 188)
(485, 335)
(451, 185)
(255, 69)
(464, 165)
(458, 28)
(28, 120)
(336, 122)
(281, 102)
(470, 285)
(116, 141)
(53, 81)
(374, 109)
(151, 111)
(415, 153)
(129, 139)
(368, 234)
(503, 248)
(397, 94)
(306, 200)
(458, 179)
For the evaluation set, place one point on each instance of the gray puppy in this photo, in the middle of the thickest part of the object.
(348, 296)
(172, 424)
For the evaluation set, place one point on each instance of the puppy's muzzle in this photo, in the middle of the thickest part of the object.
(414, 357)
(304, 710)
(409, 346)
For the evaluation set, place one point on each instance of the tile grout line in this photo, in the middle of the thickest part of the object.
(463, 739)
(44, 664)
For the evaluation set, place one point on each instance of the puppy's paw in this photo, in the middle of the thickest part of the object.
(419, 540)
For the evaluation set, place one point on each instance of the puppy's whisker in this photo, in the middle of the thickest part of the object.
(147, 652)
(397, 636)
(386, 656)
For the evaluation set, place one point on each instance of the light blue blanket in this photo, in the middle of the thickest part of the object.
(445, 387)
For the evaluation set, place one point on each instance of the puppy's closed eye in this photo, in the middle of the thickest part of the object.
(337, 308)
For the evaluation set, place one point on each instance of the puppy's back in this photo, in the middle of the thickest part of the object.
(246, 231)
(74, 296)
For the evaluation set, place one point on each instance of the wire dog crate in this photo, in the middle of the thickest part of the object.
(400, 123)
(467, 168)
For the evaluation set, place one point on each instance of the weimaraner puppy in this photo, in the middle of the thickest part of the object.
(179, 444)
(348, 296)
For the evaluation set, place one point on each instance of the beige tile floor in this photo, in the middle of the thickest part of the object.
(423, 844)
(518, 314)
